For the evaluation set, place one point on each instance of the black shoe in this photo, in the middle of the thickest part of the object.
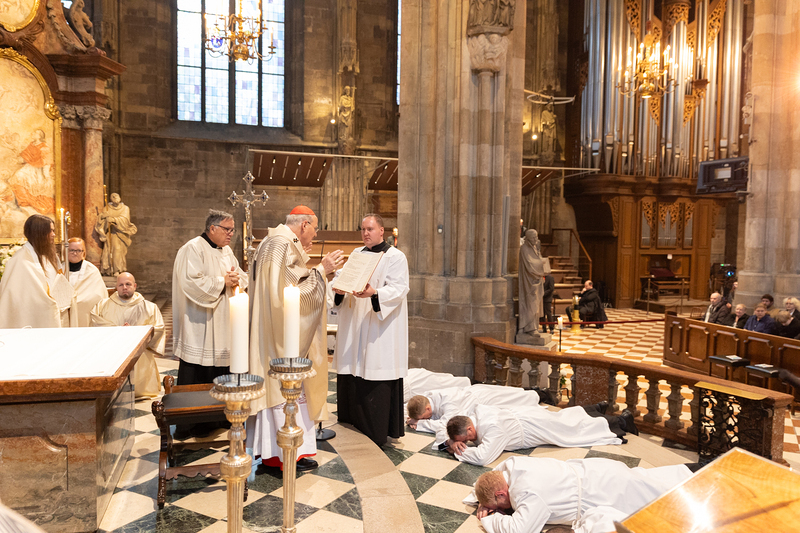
(305, 464)
(602, 407)
(626, 422)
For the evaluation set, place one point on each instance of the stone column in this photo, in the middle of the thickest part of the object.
(93, 117)
(72, 167)
(344, 195)
(772, 258)
(460, 156)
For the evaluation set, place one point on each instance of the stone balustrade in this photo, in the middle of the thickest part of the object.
(595, 379)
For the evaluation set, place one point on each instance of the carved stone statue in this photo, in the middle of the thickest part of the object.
(115, 230)
(549, 141)
(81, 22)
(532, 268)
(490, 16)
(346, 105)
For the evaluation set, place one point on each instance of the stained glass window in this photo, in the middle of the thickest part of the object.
(214, 89)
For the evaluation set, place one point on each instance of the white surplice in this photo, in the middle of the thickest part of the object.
(370, 345)
(447, 403)
(420, 381)
(200, 303)
(25, 293)
(547, 491)
(280, 261)
(528, 427)
(89, 290)
(114, 311)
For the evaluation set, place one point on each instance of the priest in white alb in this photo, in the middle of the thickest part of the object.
(371, 355)
(421, 380)
(204, 277)
(280, 261)
(429, 412)
(126, 307)
(86, 279)
(34, 291)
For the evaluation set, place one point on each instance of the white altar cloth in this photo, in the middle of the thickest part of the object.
(50, 353)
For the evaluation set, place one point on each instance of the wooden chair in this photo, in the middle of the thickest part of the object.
(186, 404)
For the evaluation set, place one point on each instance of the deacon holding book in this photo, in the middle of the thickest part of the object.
(371, 355)
(280, 261)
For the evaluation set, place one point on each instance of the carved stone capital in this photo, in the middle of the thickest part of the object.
(487, 51)
(93, 116)
(69, 114)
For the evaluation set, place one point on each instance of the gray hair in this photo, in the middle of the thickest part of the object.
(215, 217)
(296, 220)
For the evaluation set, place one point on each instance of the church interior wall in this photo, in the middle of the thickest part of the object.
(171, 172)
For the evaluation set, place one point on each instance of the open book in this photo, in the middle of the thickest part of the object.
(355, 274)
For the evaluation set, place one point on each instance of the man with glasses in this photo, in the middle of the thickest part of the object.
(204, 277)
(86, 279)
(280, 262)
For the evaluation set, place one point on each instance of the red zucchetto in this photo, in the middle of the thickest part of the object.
(302, 210)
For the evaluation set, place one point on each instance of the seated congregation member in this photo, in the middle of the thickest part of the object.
(86, 279)
(760, 322)
(590, 307)
(495, 430)
(792, 305)
(126, 307)
(718, 311)
(522, 494)
(738, 318)
(769, 303)
(787, 325)
(430, 412)
(420, 380)
(34, 291)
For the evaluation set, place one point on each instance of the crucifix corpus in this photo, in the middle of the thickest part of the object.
(248, 199)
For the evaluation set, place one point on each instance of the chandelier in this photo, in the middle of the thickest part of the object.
(237, 36)
(648, 73)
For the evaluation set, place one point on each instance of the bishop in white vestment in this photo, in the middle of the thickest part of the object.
(444, 404)
(34, 291)
(280, 262)
(87, 281)
(204, 277)
(587, 494)
(495, 430)
(371, 354)
(126, 307)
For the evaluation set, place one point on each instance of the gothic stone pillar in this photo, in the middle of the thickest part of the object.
(460, 156)
(772, 245)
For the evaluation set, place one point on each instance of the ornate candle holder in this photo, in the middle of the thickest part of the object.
(576, 316)
(290, 371)
(237, 391)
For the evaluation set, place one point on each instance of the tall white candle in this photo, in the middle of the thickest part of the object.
(561, 322)
(291, 322)
(240, 329)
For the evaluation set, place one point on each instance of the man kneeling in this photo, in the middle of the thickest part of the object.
(126, 307)
(496, 430)
(588, 494)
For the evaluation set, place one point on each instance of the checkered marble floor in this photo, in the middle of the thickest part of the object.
(341, 494)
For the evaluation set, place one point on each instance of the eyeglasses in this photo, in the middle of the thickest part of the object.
(76, 251)
(229, 231)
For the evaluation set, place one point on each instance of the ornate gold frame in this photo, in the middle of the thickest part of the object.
(51, 111)
(28, 19)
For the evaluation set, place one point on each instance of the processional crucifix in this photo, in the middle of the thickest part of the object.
(248, 199)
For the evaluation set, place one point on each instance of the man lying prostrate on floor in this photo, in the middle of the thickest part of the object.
(588, 494)
(495, 430)
(419, 381)
(429, 412)
(126, 307)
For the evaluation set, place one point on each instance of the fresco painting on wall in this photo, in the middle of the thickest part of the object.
(16, 14)
(29, 145)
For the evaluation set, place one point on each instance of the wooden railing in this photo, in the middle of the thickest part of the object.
(582, 253)
(594, 379)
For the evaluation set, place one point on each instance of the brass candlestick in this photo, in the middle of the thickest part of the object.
(576, 316)
(237, 391)
(290, 371)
